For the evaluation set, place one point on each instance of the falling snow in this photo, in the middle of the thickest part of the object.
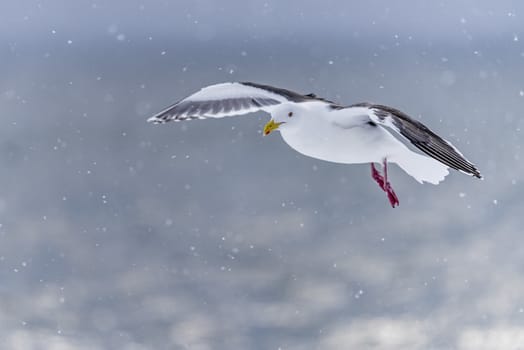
(117, 233)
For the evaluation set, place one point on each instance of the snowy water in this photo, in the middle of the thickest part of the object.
(118, 234)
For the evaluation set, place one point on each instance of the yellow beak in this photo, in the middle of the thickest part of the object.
(271, 126)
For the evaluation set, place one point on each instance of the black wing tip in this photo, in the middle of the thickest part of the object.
(468, 168)
(156, 120)
(164, 116)
(429, 142)
(161, 118)
(477, 174)
(169, 118)
(473, 172)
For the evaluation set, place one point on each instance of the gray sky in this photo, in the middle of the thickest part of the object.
(205, 20)
(118, 234)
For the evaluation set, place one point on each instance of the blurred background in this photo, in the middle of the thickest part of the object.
(119, 234)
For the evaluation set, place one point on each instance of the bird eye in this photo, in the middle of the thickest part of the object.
(290, 114)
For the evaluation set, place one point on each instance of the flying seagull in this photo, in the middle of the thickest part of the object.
(322, 129)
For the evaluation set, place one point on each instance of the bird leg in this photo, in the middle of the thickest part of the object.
(375, 174)
(392, 196)
(384, 184)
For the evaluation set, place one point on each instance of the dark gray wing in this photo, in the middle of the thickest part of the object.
(187, 109)
(293, 96)
(421, 137)
(230, 99)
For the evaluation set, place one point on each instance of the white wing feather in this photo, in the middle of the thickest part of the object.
(220, 100)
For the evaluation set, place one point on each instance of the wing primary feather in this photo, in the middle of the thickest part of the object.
(442, 157)
(422, 138)
(220, 100)
(229, 99)
(456, 160)
(212, 108)
(191, 109)
(216, 107)
(255, 102)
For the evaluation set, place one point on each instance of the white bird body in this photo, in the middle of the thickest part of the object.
(343, 136)
(325, 130)
(321, 137)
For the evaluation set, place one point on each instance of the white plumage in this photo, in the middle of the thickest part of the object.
(325, 130)
(346, 136)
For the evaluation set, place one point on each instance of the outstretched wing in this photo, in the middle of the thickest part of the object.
(421, 137)
(227, 99)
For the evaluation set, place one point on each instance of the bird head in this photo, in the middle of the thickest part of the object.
(280, 119)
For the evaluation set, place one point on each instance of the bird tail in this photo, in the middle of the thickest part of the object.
(422, 168)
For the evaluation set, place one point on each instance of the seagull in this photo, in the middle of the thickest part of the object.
(322, 129)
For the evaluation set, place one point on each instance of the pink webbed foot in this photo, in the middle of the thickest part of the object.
(392, 196)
